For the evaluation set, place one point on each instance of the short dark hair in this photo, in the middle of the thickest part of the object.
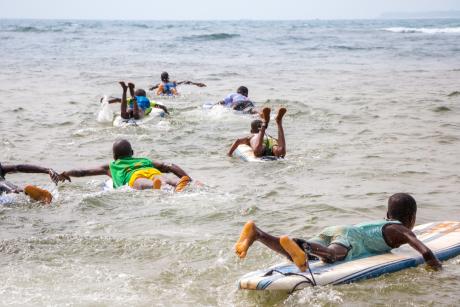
(402, 207)
(255, 125)
(243, 90)
(164, 76)
(122, 149)
(140, 92)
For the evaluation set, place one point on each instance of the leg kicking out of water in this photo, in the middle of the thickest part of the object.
(279, 150)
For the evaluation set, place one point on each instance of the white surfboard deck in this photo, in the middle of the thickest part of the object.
(245, 153)
(6, 199)
(154, 115)
(443, 238)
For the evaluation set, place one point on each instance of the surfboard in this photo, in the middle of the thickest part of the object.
(245, 153)
(155, 114)
(443, 238)
(6, 199)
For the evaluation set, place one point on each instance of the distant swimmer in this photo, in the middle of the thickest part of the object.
(239, 101)
(138, 173)
(261, 143)
(167, 87)
(32, 191)
(138, 106)
(338, 243)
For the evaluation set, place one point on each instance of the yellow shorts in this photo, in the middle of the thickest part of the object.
(147, 173)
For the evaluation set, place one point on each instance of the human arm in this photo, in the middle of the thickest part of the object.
(28, 168)
(154, 87)
(160, 106)
(237, 143)
(199, 84)
(397, 234)
(101, 170)
(169, 168)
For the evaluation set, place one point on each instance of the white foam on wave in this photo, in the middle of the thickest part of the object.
(423, 30)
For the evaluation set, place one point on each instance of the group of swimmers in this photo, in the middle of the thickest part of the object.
(332, 244)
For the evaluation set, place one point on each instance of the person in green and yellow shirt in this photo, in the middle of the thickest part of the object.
(138, 173)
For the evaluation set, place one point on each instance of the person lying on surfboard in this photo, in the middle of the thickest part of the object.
(261, 143)
(239, 101)
(347, 242)
(167, 87)
(32, 191)
(138, 105)
(138, 173)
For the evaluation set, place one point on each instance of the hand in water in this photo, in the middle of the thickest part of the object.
(56, 178)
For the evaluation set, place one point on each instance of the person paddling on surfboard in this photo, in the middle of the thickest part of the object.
(138, 105)
(259, 141)
(138, 173)
(33, 192)
(347, 242)
(239, 101)
(169, 88)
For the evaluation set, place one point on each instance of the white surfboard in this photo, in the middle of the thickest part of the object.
(153, 116)
(245, 153)
(443, 238)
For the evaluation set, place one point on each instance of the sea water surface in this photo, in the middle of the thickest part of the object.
(373, 109)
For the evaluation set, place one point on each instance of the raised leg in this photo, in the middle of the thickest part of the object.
(257, 142)
(280, 149)
(136, 113)
(124, 103)
(251, 233)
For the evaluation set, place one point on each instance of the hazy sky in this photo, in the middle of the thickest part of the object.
(216, 9)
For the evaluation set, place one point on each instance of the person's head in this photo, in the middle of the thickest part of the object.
(243, 90)
(402, 207)
(164, 76)
(256, 125)
(140, 92)
(122, 149)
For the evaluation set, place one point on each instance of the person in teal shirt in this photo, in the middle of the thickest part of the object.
(137, 172)
(347, 242)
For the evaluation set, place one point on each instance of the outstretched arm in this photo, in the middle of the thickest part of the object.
(397, 234)
(170, 168)
(27, 168)
(160, 106)
(199, 84)
(102, 170)
(237, 143)
(427, 254)
(154, 87)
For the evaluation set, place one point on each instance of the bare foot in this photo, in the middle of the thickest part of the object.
(279, 116)
(123, 85)
(247, 237)
(131, 85)
(296, 253)
(182, 183)
(38, 194)
(265, 115)
(156, 184)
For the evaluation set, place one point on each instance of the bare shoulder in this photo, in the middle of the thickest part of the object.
(396, 234)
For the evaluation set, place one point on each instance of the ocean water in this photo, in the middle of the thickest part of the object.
(373, 109)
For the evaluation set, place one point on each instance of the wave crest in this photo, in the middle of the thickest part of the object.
(422, 30)
(210, 37)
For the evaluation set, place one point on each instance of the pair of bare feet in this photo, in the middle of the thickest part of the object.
(250, 233)
(125, 87)
(265, 115)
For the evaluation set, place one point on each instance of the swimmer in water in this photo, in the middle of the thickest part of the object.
(138, 105)
(32, 191)
(349, 242)
(167, 87)
(138, 173)
(239, 101)
(261, 143)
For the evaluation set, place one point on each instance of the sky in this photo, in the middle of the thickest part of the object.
(216, 9)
